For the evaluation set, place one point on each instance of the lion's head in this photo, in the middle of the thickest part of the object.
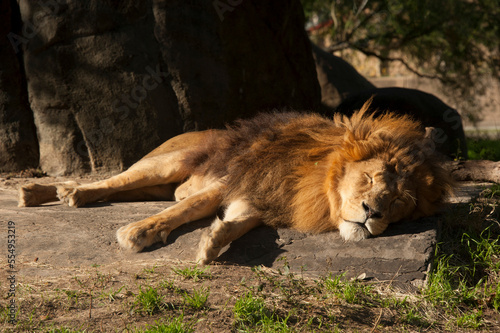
(384, 170)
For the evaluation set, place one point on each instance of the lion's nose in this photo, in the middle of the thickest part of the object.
(371, 213)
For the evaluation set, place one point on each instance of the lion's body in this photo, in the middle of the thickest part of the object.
(292, 170)
(264, 160)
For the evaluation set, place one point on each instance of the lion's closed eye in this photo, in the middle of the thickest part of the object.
(397, 203)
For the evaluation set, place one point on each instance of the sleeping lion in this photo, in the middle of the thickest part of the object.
(302, 171)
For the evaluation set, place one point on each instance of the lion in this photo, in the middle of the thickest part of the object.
(302, 171)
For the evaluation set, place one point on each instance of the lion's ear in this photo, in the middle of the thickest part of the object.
(434, 185)
(429, 132)
(428, 144)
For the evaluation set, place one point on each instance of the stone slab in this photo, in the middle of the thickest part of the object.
(53, 237)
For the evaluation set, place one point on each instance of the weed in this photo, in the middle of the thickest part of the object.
(470, 320)
(353, 291)
(249, 310)
(149, 300)
(194, 273)
(4, 314)
(440, 290)
(150, 270)
(492, 192)
(73, 295)
(483, 149)
(273, 324)
(111, 295)
(101, 280)
(64, 330)
(198, 299)
(81, 283)
(169, 285)
(412, 316)
(495, 298)
(467, 277)
(293, 289)
(175, 325)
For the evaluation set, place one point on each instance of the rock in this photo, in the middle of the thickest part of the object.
(449, 137)
(337, 78)
(18, 141)
(109, 81)
(61, 237)
(100, 95)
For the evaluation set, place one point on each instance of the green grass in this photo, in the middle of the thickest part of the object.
(195, 273)
(111, 295)
(73, 295)
(250, 310)
(293, 289)
(469, 276)
(151, 270)
(483, 149)
(472, 320)
(63, 330)
(252, 314)
(492, 192)
(351, 291)
(465, 281)
(174, 325)
(198, 299)
(148, 300)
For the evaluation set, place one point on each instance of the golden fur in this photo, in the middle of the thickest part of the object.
(294, 170)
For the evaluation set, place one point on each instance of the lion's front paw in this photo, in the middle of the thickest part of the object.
(350, 231)
(207, 250)
(138, 235)
(70, 195)
(212, 241)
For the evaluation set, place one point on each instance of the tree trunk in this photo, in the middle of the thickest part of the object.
(481, 170)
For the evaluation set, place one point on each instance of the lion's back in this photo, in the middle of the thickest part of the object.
(260, 158)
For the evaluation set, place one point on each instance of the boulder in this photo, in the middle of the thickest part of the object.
(108, 81)
(448, 134)
(18, 141)
(344, 90)
(337, 78)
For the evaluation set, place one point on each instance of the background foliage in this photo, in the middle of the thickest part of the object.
(454, 41)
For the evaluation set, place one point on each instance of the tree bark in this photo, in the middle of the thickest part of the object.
(481, 170)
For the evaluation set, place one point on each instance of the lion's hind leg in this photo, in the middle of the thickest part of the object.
(204, 203)
(147, 173)
(149, 193)
(36, 194)
(239, 219)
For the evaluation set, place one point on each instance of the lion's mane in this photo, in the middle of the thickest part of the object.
(289, 165)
